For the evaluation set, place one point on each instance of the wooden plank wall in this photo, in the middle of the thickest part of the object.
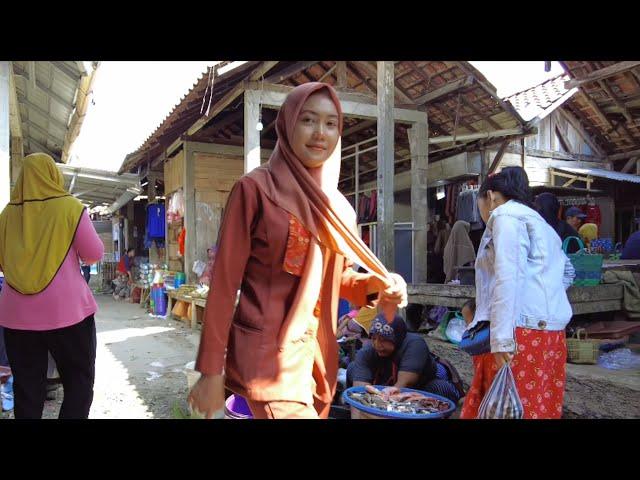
(173, 172)
(547, 137)
(215, 175)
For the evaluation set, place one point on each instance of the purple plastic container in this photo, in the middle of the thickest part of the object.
(160, 301)
(236, 408)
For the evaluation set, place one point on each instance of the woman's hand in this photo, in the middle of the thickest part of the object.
(207, 395)
(502, 357)
(395, 294)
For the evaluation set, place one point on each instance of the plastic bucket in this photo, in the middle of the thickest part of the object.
(374, 413)
(236, 408)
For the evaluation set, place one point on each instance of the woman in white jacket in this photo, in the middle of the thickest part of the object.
(520, 290)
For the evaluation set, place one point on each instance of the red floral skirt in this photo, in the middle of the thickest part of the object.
(538, 368)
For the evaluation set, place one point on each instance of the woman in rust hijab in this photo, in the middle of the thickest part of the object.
(288, 240)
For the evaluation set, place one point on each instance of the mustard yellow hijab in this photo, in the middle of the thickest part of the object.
(588, 232)
(37, 227)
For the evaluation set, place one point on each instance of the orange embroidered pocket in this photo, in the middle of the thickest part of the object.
(297, 247)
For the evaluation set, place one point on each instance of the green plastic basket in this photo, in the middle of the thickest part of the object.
(588, 266)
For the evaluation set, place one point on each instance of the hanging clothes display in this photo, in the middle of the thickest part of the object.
(467, 207)
(156, 220)
(181, 239)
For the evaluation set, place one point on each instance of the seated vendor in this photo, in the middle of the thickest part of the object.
(401, 359)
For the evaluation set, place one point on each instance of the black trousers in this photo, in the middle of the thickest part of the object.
(86, 272)
(74, 350)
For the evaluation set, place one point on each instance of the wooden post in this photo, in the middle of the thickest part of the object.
(188, 182)
(357, 180)
(638, 167)
(151, 189)
(341, 71)
(251, 134)
(419, 145)
(5, 133)
(523, 153)
(386, 164)
(17, 155)
(483, 165)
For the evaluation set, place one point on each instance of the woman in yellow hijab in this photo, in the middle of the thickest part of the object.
(46, 304)
(588, 232)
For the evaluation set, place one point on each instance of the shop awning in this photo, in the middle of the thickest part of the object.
(99, 187)
(601, 173)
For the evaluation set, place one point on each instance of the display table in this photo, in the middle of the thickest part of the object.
(601, 298)
(196, 303)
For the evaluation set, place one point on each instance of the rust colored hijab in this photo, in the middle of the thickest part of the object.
(312, 194)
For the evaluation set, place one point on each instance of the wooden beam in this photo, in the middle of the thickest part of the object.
(616, 101)
(498, 158)
(419, 146)
(220, 105)
(478, 112)
(15, 119)
(229, 97)
(603, 118)
(189, 189)
(342, 75)
(251, 134)
(629, 165)
(216, 126)
(263, 68)
(5, 135)
(477, 136)
(359, 127)
(355, 105)
(386, 156)
(444, 90)
(601, 74)
(564, 141)
(504, 104)
(461, 121)
(289, 71)
(365, 81)
(624, 155)
(371, 71)
(575, 123)
(328, 72)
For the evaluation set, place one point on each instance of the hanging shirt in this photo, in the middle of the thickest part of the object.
(155, 220)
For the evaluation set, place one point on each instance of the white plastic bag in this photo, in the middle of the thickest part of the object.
(502, 399)
(455, 329)
(199, 267)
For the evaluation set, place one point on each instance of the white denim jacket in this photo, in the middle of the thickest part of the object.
(521, 276)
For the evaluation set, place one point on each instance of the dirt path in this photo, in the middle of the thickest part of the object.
(139, 364)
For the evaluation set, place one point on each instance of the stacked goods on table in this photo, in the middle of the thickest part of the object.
(193, 291)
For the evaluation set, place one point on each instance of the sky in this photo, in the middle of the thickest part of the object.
(513, 77)
(130, 99)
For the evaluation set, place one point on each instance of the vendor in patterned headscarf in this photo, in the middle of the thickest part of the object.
(398, 358)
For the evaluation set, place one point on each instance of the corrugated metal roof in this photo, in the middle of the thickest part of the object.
(598, 172)
(532, 102)
(48, 96)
